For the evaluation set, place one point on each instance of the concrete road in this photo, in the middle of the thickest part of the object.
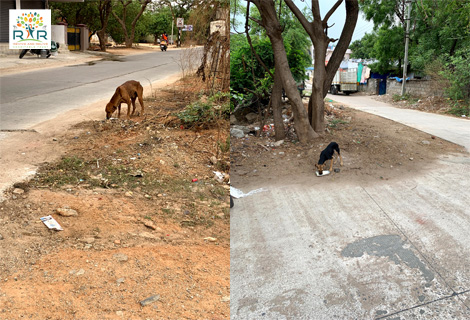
(390, 250)
(384, 250)
(452, 129)
(33, 97)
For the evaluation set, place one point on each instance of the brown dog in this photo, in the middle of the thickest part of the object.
(127, 92)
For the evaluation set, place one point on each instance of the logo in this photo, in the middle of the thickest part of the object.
(30, 29)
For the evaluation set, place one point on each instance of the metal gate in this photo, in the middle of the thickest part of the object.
(73, 38)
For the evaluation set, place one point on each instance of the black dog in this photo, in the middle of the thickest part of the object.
(327, 154)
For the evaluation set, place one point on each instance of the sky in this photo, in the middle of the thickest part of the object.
(363, 26)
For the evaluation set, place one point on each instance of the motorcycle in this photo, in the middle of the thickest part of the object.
(163, 45)
(42, 52)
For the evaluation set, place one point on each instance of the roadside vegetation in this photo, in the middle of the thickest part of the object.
(439, 44)
(137, 21)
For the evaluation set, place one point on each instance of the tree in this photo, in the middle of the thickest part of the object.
(363, 48)
(307, 125)
(200, 17)
(270, 22)
(129, 30)
(440, 36)
(160, 22)
(78, 13)
(180, 9)
(104, 9)
(318, 32)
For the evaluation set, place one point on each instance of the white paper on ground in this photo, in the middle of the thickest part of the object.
(51, 223)
(324, 173)
(236, 193)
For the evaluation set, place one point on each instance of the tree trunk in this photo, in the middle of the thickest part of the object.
(102, 37)
(270, 22)
(276, 103)
(318, 32)
(104, 8)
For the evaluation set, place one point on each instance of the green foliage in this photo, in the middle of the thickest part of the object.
(245, 71)
(439, 37)
(159, 22)
(203, 114)
(77, 13)
(389, 50)
(224, 146)
(115, 29)
(457, 72)
(363, 48)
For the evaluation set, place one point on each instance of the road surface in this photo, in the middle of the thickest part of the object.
(384, 250)
(30, 98)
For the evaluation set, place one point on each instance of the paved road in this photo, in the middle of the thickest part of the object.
(385, 250)
(30, 98)
(452, 129)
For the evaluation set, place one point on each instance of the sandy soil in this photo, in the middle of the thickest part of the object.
(373, 149)
(143, 228)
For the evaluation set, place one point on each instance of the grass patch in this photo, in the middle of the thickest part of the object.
(335, 122)
(405, 97)
(460, 109)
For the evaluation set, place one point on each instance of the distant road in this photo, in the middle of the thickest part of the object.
(452, 129)
(29, 98)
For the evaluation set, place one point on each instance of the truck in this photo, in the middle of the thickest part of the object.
(345, 81)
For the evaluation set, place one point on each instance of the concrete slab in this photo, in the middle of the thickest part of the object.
(443, 309)
(305, 252)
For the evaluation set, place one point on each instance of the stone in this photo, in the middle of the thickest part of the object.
(121, 257)
(233, 119)
(150, 300)
(120, 281)
(278, 143)
(67, 212)
(213, 160)
(1, 237)
(18, 191)
(251, 117)
(80, 272)
(237, 133)
(149, 224)
(88, 240)
(425, 142)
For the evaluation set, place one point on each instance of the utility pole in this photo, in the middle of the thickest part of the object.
(407, 40)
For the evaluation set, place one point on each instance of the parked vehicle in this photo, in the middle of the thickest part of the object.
(43, 53)
(344, 81)
(163, 45)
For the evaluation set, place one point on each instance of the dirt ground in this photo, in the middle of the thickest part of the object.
(373, 149)
(148, 220)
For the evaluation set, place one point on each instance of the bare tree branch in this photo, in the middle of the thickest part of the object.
(256, 20)
(352, 12)
(305, 23)
(332, 10)
(316, 10)
(249, 40)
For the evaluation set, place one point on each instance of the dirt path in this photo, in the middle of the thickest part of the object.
(149, 220)
(373, 148)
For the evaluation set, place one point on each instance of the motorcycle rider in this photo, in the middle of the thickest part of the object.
(165, 37)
